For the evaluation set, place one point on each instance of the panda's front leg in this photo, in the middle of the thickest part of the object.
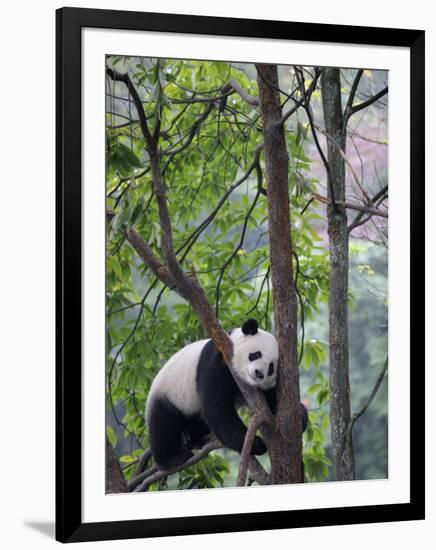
(221, 416)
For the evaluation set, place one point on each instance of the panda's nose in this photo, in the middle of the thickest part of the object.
(259, 374)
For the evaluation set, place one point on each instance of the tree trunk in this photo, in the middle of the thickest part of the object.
(285, 447)
(340, 409)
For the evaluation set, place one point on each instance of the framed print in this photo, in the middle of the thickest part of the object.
(240, 244)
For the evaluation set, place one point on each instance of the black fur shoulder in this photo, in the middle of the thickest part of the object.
(213, 372)
(219, 394)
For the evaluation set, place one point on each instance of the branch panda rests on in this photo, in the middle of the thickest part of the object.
(195, 395)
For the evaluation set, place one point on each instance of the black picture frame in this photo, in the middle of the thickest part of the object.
(69, 22)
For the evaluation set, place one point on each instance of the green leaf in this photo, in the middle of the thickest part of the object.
(129, 156)
(111, 435)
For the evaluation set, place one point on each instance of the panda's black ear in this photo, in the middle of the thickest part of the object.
(250, 327)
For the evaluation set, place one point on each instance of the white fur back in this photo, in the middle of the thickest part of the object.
(177, 380)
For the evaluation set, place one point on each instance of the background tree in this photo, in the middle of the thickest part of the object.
(338, 231)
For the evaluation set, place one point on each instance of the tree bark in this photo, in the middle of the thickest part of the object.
(115, 482)
(285, 447)
(340, 408)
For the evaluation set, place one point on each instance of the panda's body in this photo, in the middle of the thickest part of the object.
(195, 395)
(177, 380)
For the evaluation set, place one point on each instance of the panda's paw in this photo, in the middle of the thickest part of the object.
(175, 462)
(184, 456)
(259, 447)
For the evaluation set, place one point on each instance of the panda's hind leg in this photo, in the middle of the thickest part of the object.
(197, 432)
(166, 426)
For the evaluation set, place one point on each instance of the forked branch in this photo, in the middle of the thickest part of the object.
(254, 425)
(161, 474)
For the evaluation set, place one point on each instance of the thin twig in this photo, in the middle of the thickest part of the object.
(143, 461)
(381, 195)
(208, 220)
(308, 94)
(353, 133)
(369, 101)
(133, 482)
(308, 111)
(236, 249)
(234, 86)
(348, 163)
(137, 100)
(349, 106)
(352, 206)
(371, 396)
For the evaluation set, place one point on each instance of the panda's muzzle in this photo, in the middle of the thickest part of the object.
(259, 374)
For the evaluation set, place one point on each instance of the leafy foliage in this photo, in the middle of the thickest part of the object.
(208, 473)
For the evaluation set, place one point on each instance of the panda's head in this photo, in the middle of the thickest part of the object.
(255, 355)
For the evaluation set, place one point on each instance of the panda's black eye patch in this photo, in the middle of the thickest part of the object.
(271, 369)
(255, 355)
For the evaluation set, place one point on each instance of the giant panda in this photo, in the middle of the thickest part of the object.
(194, 395)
